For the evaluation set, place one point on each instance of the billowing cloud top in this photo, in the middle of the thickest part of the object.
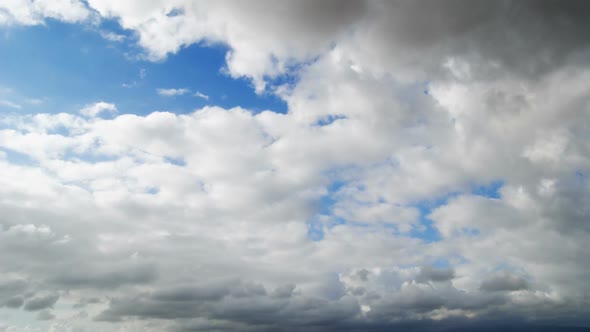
(430, 173)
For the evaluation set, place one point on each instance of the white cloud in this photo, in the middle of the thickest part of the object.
(111, 36)
(95, 109)
(35, 12)
(201, 95)
(10, 104)
(172, 92)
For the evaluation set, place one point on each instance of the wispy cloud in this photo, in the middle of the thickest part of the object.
(34, 101)
(10, 104)
(111, 36)
(201, 95)
(142, 75)
(129, 85)
(172, 92)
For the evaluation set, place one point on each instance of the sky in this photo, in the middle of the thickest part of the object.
(289, 166)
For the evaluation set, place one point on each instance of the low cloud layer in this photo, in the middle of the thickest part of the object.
(431, 174)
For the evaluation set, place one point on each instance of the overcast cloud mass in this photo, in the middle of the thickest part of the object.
(431, 172)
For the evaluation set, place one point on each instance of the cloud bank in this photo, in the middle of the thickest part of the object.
(431, 173)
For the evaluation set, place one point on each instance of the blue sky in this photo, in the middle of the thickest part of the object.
(67, 67)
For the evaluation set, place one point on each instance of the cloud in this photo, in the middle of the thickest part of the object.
(10, 104)
(201, 95)
(111, 36)
(113, 164)
(432, 274)
(45, 315)
(14, 302)
(111, 278)
(418, 135)
(503, 282)
(95, 109)
(172, 92)
(41, 302)
(35, 12)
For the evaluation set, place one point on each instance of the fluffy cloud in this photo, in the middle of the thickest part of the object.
(431, 171)
(33, 12)
(98, 108)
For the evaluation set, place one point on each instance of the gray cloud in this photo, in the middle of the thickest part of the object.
(14, 302)
(504, 282)
(526, 37)
(40, 302)
(45, 315)
(428, 273)
(111, 276)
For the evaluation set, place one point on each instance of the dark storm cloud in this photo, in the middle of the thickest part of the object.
(525, 37)
(189, 294)
(569, 209)
(14, 302)
(248, 306)
(284, 291)
(169, 303)
(504, 282)
(41, 302)
(433, 274)
(242, 303)
(12, 287)
(12, 293)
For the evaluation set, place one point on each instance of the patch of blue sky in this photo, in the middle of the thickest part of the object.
(427, 230)
(315, 230)
(329, 119)
(88, 156)
(324, 217)
(507, 267)
(441, 263)
(581, 177)
(60, 130)
(291, 74)
(152, 190)
(66, 68)
(490, 190)
(17, 158)
(175, 161)
(426, 88)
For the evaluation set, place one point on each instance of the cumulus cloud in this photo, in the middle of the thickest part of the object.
(95, 109)
(35, 12)
(418, 135)
(503, 282)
